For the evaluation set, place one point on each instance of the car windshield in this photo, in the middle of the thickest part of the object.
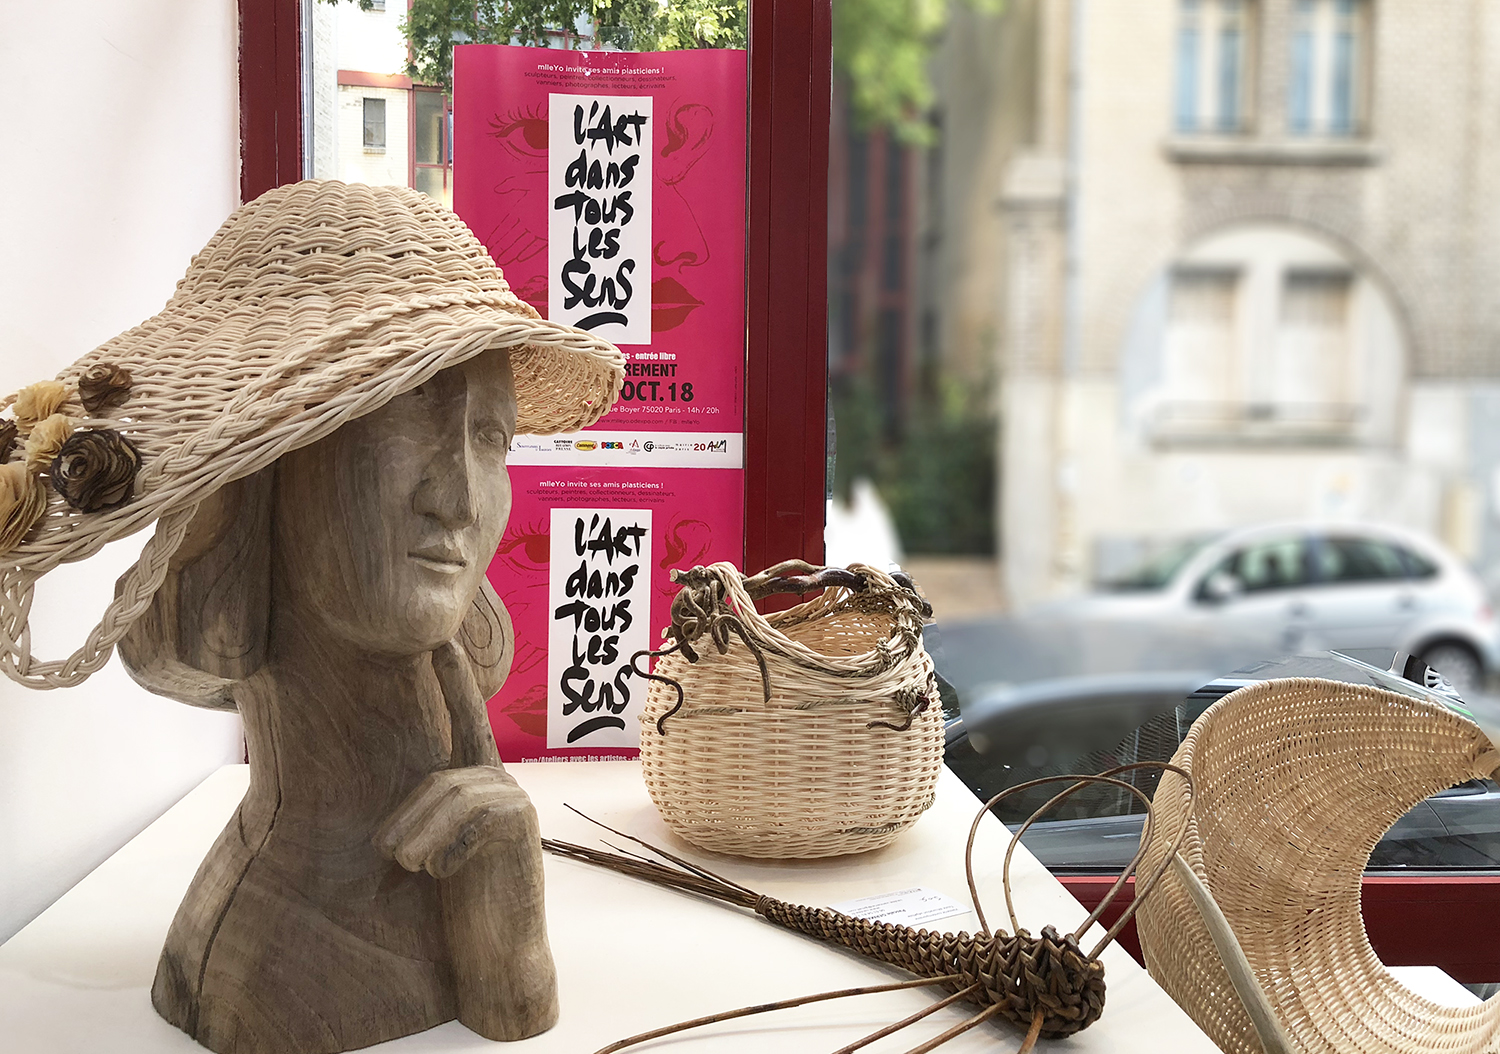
(1158, 570)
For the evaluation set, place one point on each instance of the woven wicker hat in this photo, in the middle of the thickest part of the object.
(1294, 781)
(313, 305)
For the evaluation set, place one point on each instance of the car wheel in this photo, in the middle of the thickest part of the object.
(1458, 664)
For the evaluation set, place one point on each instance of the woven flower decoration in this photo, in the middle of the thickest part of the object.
(95, 470)
(103, 385)
(23, 499)
(46, 439)
(37, 402)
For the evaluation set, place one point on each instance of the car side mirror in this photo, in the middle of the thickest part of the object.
(1220, 587)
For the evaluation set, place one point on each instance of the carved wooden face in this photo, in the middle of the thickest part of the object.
(383, 530)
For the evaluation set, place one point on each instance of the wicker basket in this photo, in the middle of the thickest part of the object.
(1295, 780)
(842, 756)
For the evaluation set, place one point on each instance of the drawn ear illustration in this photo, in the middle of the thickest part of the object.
(687, 542)
(688, 129)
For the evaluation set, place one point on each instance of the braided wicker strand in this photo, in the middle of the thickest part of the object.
(1046, 984)
(1020, 973)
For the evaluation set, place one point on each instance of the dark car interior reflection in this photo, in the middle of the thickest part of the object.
(1007, 736)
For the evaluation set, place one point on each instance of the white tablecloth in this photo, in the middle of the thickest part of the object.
(631, 957)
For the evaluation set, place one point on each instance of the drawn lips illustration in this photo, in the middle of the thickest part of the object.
(670, 304)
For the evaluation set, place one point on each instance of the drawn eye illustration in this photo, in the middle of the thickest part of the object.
(522, 133)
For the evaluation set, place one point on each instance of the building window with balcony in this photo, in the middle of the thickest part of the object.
(1329, 83)
(374, 124)
(1214, 44)
(1267, 335)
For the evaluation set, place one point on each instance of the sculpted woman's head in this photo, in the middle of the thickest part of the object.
(382, 532)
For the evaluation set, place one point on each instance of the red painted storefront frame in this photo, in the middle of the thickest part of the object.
(1409, 920)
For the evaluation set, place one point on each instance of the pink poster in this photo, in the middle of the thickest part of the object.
(610, 189)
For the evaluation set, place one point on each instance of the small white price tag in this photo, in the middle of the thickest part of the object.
(905, 907)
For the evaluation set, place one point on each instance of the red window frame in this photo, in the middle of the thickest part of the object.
(1408, 919)
(787, 276)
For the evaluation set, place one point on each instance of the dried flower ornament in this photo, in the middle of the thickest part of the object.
(95, 470)
(37, 402)
(102, 386)
(23, 499)
(46, 439)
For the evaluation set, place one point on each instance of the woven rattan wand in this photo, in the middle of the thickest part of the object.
(1045, 984)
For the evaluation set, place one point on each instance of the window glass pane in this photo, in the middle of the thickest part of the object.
(1300, 91)
(1274, 565)
(1231, 45)
(1358, 560)
(374, 124)
(1417, 566)
(1195, 337)
(430, 181)
(1187, 68)
(1341, 117)
(431, 126)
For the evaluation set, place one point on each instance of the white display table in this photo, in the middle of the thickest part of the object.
(630, 957)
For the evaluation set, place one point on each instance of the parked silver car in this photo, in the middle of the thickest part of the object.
(1301, 587)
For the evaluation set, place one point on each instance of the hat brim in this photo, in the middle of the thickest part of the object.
(200, 421)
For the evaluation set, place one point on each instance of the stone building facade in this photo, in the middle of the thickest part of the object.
(1250, 264)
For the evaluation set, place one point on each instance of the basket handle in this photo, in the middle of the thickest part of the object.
(798, 576)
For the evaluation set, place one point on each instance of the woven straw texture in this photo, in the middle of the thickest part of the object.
(803, 775)
(315, 304)
(1296, 781)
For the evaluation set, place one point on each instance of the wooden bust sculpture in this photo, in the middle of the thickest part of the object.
(321, 568)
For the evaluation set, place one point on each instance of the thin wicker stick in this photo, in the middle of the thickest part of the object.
(763, 1008)
(960, 1028)
(928, 1011)
(1144, 890)
(1015, 840)
(1031, 1036)
(696, 869)
(1018, 975)
(984, 926)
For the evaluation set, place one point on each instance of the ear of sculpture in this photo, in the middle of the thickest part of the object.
(207, 626)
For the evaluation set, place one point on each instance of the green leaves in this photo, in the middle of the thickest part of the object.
(882, 48)
(432, 27)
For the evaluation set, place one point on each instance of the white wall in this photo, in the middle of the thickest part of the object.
(120, 141)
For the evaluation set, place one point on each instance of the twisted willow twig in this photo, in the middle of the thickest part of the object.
(716, 601)
(1044, 984)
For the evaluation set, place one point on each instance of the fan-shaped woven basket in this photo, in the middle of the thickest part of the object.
(1296, 780)
(842, 758)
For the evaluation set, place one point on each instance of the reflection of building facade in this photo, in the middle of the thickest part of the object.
(871, 223)
(1250, 268)
(370, 123)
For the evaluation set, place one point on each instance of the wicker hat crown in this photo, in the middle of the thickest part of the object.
(314, 304)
